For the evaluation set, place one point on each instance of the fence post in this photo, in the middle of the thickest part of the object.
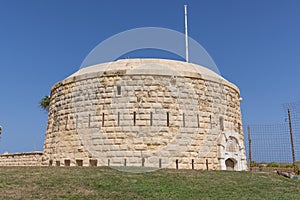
(292, 141)
(250, 151)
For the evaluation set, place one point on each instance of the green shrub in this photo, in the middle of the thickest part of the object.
(287, 165)
(272, 164)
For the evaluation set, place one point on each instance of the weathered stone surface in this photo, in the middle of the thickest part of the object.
(23, 159)
(165, 111)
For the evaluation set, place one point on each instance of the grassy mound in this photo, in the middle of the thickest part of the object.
(107, 183)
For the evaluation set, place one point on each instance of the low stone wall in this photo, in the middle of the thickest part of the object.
(22, 159)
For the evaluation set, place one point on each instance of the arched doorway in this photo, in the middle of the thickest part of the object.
(231, 151)
(229, 164)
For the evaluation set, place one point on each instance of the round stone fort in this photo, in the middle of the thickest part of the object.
(152, 113)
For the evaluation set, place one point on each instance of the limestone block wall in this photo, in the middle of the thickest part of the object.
(22, 159)
(135, 113)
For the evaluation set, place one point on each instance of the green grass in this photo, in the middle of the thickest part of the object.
(105, 183)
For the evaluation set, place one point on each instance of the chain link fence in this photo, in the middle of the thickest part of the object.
(275, 146)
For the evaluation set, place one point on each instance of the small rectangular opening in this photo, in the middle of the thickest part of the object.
(79, 162)
(168, 117)
(118, 118)
(89, 124)
(102, 119)
(57, 163)
(183, 119)
(93, 163)
(119, 91)
(198, 121)
(151, 118)
(206, 162)
(239, 128)
(210, 121)
(67, 163)
(192, 163)
(221, 123)
(76, 121)
(66, 125)
(143, 162)
(134, 118)
(50, 162)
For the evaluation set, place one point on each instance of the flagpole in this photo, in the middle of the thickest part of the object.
(186, 35)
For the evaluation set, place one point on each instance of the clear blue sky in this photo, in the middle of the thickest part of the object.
(255, 44)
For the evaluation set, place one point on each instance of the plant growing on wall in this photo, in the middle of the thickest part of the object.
(44, 103)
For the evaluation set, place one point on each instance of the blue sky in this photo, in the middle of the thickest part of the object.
(255, 44)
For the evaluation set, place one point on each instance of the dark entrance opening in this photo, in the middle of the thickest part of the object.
(67, 162)
(79, 162)
(93, 162)
(229, 164)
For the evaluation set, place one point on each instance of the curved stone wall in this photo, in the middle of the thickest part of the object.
(145, 112)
